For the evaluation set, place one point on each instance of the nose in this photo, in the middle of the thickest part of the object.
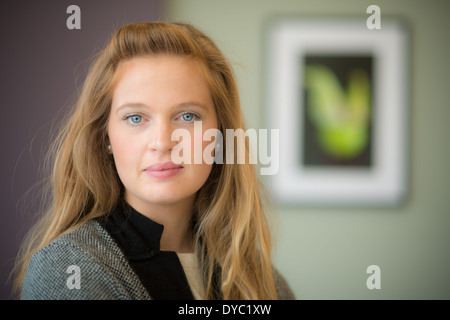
(160, 137)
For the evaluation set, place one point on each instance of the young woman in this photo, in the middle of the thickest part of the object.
(126, 221)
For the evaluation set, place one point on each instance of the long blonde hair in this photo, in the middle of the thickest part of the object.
(232, 235)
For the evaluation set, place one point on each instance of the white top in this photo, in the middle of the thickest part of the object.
(193, 274)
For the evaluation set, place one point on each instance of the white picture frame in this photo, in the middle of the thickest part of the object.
(382, 180)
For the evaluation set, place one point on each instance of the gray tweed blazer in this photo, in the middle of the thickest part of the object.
(104, 272)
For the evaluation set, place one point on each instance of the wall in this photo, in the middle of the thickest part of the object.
(324, 252)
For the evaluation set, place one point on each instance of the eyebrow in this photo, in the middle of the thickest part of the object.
(191, 104)
(178, 106)
(129, 105)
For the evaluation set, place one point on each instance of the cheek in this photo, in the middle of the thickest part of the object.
(199, 173)
(121, 161)
(124, 150)
(204, 144)
(200, 170)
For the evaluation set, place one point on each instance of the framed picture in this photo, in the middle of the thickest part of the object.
(336, 91)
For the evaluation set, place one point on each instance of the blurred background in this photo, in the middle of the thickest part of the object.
(323, 252)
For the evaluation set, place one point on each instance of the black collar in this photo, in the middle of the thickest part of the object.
(139, 238)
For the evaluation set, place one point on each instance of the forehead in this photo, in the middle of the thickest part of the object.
(161, 66)
(157, 76)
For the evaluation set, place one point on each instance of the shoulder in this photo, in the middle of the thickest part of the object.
(283, 290)
(85, 263)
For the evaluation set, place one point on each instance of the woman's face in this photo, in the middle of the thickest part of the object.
(152, 97)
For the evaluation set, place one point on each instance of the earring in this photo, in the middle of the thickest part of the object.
(109, 148)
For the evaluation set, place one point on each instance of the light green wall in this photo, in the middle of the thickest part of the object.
(324, 253)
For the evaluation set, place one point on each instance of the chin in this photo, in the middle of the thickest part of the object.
(167, 198)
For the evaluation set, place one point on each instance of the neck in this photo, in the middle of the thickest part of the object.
(176, 219)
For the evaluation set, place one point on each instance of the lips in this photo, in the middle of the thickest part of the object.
(164, 166)
(164, 170)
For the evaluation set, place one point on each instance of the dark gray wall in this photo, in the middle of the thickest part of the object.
(42, 64)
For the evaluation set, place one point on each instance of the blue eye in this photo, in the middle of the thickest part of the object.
(134, 119)
(189, 116)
